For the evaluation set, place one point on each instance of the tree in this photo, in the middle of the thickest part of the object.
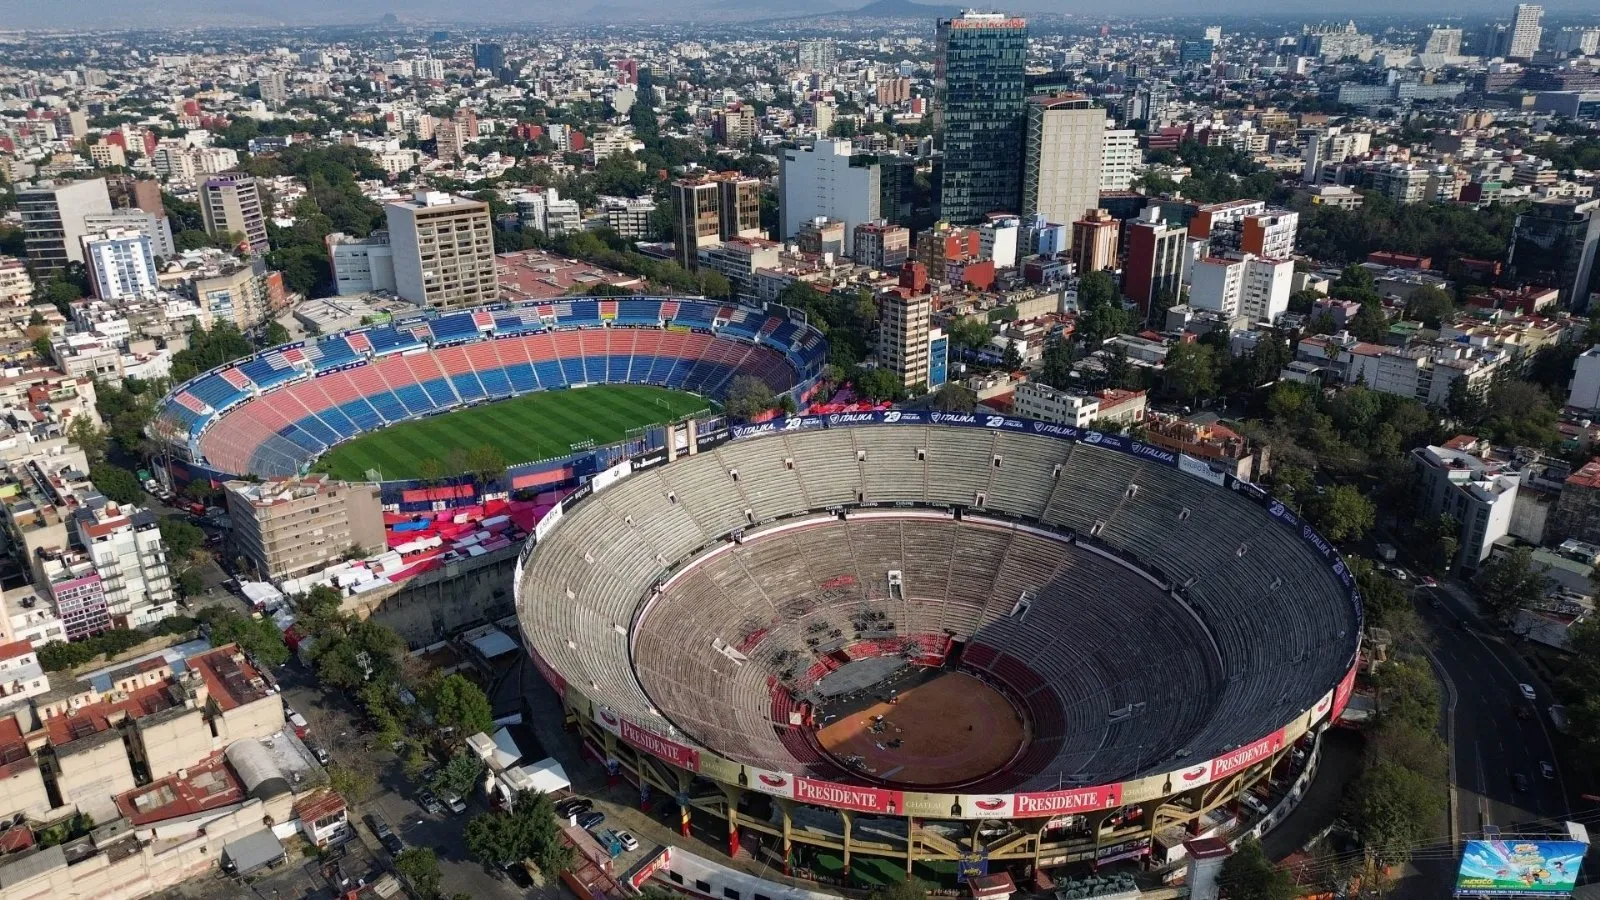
(420, 866)
(181, 537)
(970, 332)
(908, 889)
(41, 348)
(1010, 359)
(257, 636)
(1293, 485)
(879, 384)
(1342, 513)
(748, 397)
(351, 784)
(954, 398)
(486, 463)
(459, 775)
(1096, 289)
(1394, 809)
(529, 830)
(1509, 582)
(715, 285)
(1370, 324)
(190, 583)
(458, 704)
(1408, 693)
(90, 439)
(1429, 305)
(116, 483)
(276, 334)
(58, 656)
(1438, 539)
(1190, 372)
(1249, 875)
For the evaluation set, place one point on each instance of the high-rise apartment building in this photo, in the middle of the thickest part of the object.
(1556, 243)
(827, 179)
(1241, 285)
(904, 332)
(816, 56)
(1120, 159)
(1154, 266)
(699, 206)
(287, 527)
(1270, 234)
(274, 88)
(120, 263)
(125, 546)
(1583, 41)
(155, 227)
(230, 203)
(1094, 242)
(52, 219)
(443, 250)
(1061, 157)
(1223, 223)
(1525, 31)
(490, 57)
(739, 202)
(978, 73)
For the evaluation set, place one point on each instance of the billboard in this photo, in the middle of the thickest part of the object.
(1512, 867)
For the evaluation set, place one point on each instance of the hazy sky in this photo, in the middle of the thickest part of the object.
(168, 13)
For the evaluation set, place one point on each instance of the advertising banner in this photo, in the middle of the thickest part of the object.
(1060, 803)
(1246, 756)
(1189, 465)
(1341, 694)
(551, 677)
(844, 796)
(778, 784)
(680, 755)
(1510, 868)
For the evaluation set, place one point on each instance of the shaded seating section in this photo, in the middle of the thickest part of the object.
(1187, 623)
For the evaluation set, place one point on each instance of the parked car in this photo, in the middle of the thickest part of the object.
(318, 752)
(1548, 771)
(1528, 692)
(385, 834)
(429, 802)
(456, 804)
(629, 842)
(589, 820)
(573, 806)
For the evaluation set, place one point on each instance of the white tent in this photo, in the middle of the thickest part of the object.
(545, 776)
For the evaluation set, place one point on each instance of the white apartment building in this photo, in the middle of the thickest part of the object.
(173, 160)
(628, 216)
(1120, 159)
(1264, 296)
(1424, 371)
(120, 263)
(157, 228)
(1584, 391)
(1061, 157)
(997, 240)
(826, 179)
(124, 543)
(1041, 401)
(361, 265)
(1479, 493)
(16, 285)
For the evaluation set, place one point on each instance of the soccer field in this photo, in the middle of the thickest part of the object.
(534, 426)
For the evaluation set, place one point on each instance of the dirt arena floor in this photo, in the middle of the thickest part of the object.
(953, 729)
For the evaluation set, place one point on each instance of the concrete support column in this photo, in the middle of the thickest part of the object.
(732, 795)
(845, 816)
(785, 806)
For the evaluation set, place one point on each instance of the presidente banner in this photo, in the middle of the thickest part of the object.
(1510, 868)
(845, 796)
(1066, 803)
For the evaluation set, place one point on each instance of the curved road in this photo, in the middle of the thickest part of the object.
(1489, 744)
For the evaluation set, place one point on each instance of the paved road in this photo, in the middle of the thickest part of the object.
(1490, 744)
(333, 726)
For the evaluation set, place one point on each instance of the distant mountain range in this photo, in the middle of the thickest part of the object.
(903, 9)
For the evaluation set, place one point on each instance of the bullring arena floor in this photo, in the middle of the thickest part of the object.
(952, 730)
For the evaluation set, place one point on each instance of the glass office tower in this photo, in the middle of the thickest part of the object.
(981, 87)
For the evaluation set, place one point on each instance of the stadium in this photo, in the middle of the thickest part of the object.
(276, 412)
(864, 645)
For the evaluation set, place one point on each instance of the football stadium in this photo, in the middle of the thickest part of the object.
(278, 411)
(865, 645)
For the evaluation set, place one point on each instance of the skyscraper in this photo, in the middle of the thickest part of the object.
(120, 263)
(699, 219)
(1155, 259)
(904, 320)
(979, 77)
(1061, 157)
(826, 179)
(231, 204)
(1525, 31)
(816, 56)
(1557, 243)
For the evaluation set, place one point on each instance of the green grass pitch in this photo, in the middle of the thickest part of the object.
(527, 428)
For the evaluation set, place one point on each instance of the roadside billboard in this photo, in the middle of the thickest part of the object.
(1512, 867)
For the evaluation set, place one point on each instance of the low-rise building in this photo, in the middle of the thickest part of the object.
(1037, 400)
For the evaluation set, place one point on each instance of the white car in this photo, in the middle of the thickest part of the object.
(1528, 692)
(627, 841)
